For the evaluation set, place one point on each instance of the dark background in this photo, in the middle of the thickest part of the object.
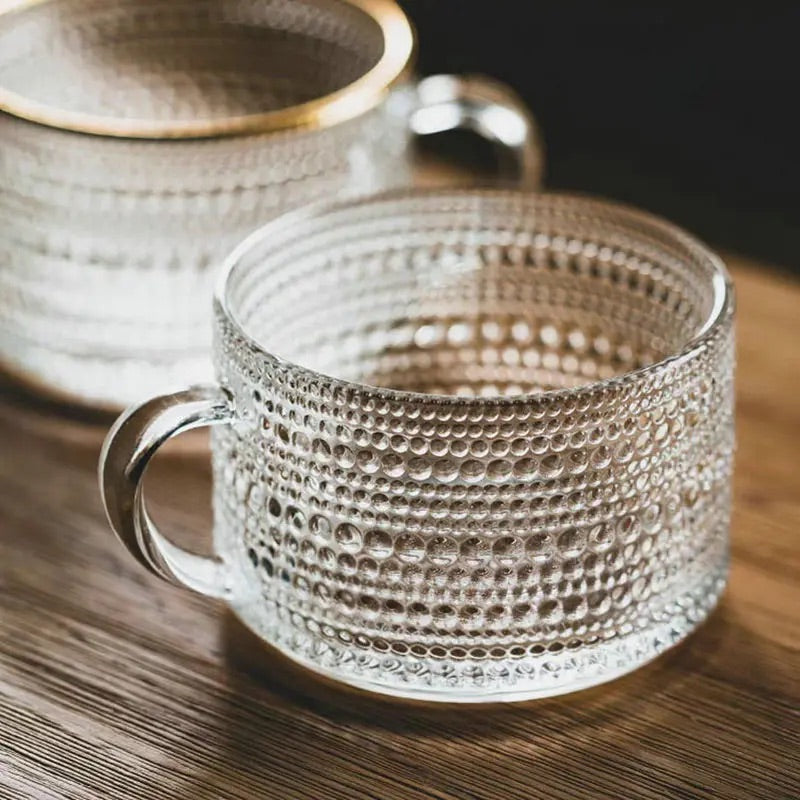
(690, 112)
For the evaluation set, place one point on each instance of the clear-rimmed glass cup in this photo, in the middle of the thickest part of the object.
(139, 142)
(467, 445)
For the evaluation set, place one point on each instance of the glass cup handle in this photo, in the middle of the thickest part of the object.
(489, 108)
(131, 443)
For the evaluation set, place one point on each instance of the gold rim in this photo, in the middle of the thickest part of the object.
(346, 103)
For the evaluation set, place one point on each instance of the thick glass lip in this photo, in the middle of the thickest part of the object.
(722, 307)
(358, 97)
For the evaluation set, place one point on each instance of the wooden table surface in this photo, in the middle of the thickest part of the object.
(115, 685)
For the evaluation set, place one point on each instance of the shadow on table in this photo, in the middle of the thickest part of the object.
(61, 421)
(52, 417)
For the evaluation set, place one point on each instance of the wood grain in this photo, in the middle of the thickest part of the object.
(115, 685)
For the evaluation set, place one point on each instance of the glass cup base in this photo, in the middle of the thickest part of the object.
(108, 384)
(532, 676)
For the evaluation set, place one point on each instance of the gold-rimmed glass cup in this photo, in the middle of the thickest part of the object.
(467, 445)
(140, 141)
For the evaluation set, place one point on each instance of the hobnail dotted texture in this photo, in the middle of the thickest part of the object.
(552, 513)
(108, 246)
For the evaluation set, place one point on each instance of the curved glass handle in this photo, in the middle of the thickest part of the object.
(131, 443)
(489, 108)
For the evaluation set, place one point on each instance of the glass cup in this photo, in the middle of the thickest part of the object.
(468, 445)
(139, 142)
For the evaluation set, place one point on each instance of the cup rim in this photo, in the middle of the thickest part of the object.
(341, 105)
(722, 307)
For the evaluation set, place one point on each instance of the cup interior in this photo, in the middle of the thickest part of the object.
(180, 60)
(473, 294)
